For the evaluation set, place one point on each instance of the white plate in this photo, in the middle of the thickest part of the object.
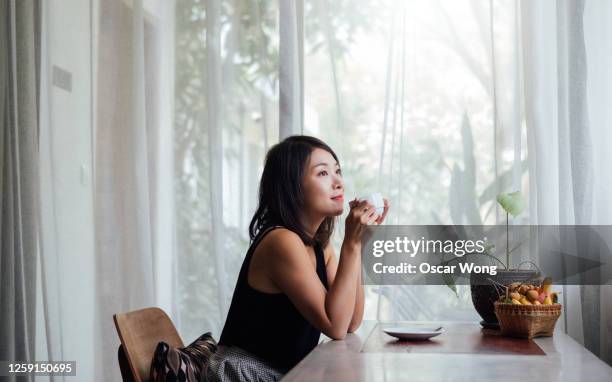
(415, 333)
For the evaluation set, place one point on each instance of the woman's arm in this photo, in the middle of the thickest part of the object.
(359, 302)
(290, 269)
(292, 272)
(331, 265)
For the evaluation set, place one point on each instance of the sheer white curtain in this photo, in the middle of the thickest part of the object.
(226, 116)
(442, 105)
(132, 177)
(291, 67)
(106, 175)
(567, 96)
(156, 116)
(423, 102)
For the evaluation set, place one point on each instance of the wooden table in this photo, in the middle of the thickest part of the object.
(369, 356)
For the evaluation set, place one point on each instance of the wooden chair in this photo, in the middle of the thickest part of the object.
(140, 331)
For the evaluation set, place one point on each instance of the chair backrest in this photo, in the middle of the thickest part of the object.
(140, 331)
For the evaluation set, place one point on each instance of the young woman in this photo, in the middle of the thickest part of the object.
(291, 288)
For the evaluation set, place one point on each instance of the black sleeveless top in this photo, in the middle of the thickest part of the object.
(268, 325)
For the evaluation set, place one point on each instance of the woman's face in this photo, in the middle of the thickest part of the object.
(323, 186)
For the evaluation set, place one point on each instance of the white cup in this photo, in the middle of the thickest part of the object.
(376, 200)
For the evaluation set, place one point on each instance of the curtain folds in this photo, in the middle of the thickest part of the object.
(291, 68)
(19, 183)
(566, 91)
(132, 188)
(539, 123)
(214, 112)
(173, 105)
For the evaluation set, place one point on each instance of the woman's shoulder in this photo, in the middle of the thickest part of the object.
(281, 238)
(281, 245)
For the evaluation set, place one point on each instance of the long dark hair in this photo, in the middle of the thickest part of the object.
(281, 192)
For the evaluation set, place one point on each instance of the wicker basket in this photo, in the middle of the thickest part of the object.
(527, 321)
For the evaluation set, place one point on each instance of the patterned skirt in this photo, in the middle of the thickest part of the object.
(231, 363)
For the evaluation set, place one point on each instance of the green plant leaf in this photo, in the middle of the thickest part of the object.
(512, 202)
(504, 178)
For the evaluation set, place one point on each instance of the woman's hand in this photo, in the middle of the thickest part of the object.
(382, 217)
(360, 216)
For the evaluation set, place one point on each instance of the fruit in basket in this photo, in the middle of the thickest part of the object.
(524, 301)
(527, 322)
(515, 295)
(546, 285)
(529, 294)
(532, 295)
(542, 296)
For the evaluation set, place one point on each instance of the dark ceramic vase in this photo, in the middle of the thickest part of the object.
(484, 293)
